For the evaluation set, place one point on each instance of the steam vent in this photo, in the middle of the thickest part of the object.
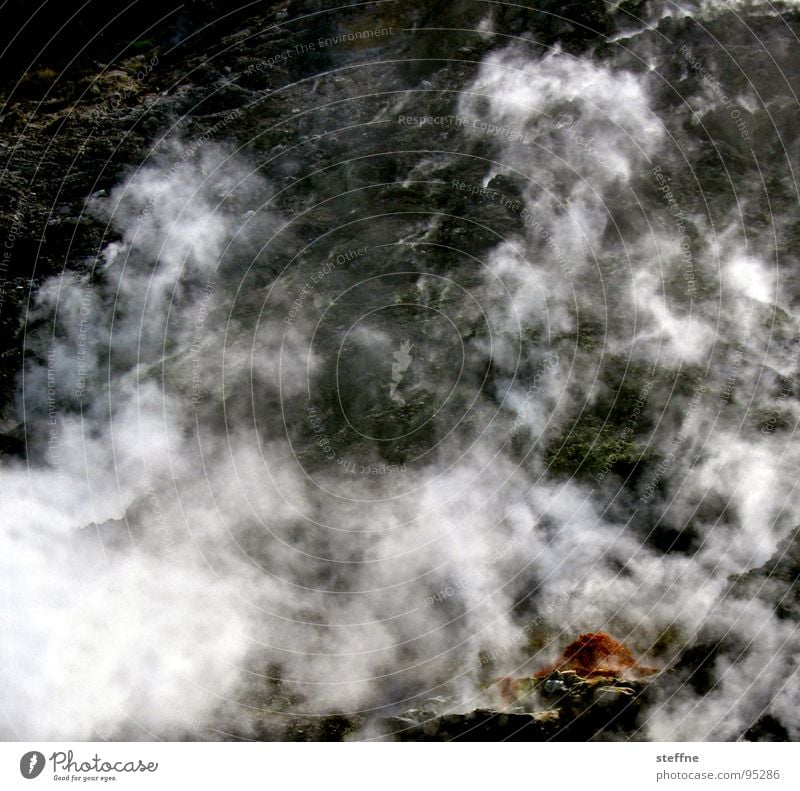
(399, 371)
(597, 655)
(596, 688)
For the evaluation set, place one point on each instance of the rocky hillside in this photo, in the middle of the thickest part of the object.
(403, 343)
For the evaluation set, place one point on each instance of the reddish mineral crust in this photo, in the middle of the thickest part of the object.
(592, 655)
(597, 654)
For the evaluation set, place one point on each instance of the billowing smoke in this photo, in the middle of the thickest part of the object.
(671, 309)
(273, 472)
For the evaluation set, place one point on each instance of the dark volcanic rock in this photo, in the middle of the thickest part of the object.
(481, 725)
(767, 729)
(569, 708)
